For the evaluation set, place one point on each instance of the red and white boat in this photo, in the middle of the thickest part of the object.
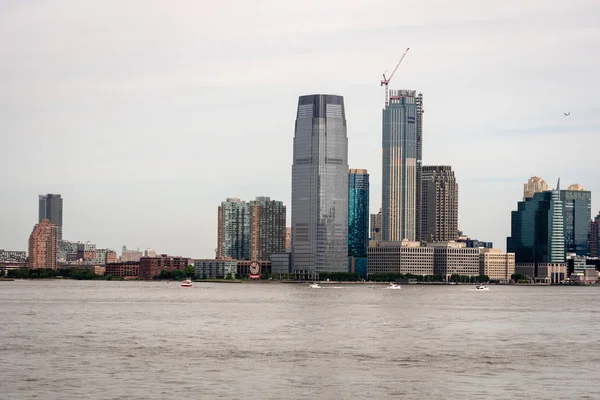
(186, 283)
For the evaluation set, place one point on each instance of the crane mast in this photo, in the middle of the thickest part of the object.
(385, 81)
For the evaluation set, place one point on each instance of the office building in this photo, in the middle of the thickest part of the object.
(219, 268)
(267, 232)
(537, 230)
(358, 212)
(233, 232)
(130, 255)
(43, 243)
(401, 151)
(320, 187)
(454, 258)
(51, 208)
(376, 235)
(594, 245)
(498, 266)
(150, 267)
(534, 185)
(439, 204)
(577, 210)
(288, 239)
(400, 258)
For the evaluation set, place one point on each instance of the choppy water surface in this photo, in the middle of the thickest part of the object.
(156, 340)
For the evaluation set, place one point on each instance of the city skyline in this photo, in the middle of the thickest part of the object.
(158, 126)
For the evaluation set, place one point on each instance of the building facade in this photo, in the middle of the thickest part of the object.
(152, 266)
(498, 266)
(43, 243)
(400, 258)
(358, 212)
(267, 228)
(453, 258)
(577, 211)
(439, 204)
(537, 231)
(128, 269)
(320, 187)
(594, 245)
(213, 269)
(534, 185)
(400, 154)
(376, 234)
(130, 255)
(281, 263)
(233, 231)
(51, 208)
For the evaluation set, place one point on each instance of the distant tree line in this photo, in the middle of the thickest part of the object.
(176, 274)
(339, 276)
(47, 273)
(395, 277)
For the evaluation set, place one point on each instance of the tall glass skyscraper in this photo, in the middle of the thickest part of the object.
(358, 212)
(577, 208)
(402, 151)
(51, 208)
(320, 187)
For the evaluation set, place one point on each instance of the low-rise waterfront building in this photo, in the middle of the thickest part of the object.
(454, 258)
(281, 263)
(498, 266)
(403, 257)
(546, 272)
(215, 268)
(152, 266)
(243, 268)
(127, 269)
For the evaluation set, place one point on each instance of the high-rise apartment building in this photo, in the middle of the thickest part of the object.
(534, 185)
(402, 147)
(594, 245)
(51, 208)
(537, 230)
(233, 231)
(320, 187)
(43, 243)
(376, 227)
(577, 209)
(267, 228)
(439, 204)
(358, 212)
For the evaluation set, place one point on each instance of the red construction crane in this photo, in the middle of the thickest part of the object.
(386, 81)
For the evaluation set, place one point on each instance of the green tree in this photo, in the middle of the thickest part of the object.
(190, 271)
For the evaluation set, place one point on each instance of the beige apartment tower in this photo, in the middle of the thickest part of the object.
(534, 185)
(439, 204)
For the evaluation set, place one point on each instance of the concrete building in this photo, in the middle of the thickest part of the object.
(13, 256)
(543, 272)
(288, 239)
(267, 231)
(130, 255)
(577, 213)
(43, 243)
(402, 149)
(594, 245)
(451, 258)
(320, 187)
(152, 266)
(150, 253)
(439, 204)
(86, 252)
(376, 234)
(51, 208)
(217, 268)
(243, 268)
(400, 258)
(498, 266)
(534, 185)
(233, 230)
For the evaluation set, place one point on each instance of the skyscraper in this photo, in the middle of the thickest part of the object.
(577, 208)
(358, 212)
(537, 230)
(376, 227)
(43, 243)
(594, 245)
(233, 232)
(267, 228)
(51, 208)
(534, 184)
(439, 204)
(402, 149)
(320, 187)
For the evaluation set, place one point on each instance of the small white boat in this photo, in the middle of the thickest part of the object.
(186, 283)
(314, 286)
(394, 286)
(481, 287)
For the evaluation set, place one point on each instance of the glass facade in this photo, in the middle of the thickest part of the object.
(402, 149)
(537, 231)
(320, 187)
(51, 208)
(234, 230)
(358, 212)
(577, 209)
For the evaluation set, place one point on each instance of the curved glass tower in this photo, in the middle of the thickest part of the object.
(320, 187)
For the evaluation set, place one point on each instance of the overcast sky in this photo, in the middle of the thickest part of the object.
(145, 115)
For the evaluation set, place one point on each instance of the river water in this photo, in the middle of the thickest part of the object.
(63, 339)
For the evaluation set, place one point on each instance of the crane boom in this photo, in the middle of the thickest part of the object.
(386, 81)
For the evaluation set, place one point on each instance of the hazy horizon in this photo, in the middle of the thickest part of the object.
(145, 116)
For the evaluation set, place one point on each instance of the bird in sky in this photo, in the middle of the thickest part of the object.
(567, 114)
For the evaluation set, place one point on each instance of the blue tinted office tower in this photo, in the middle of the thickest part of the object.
(51, 208)
(320, 187)
(577, 208)
(358, 212)
(402, 149)
(537, 230)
